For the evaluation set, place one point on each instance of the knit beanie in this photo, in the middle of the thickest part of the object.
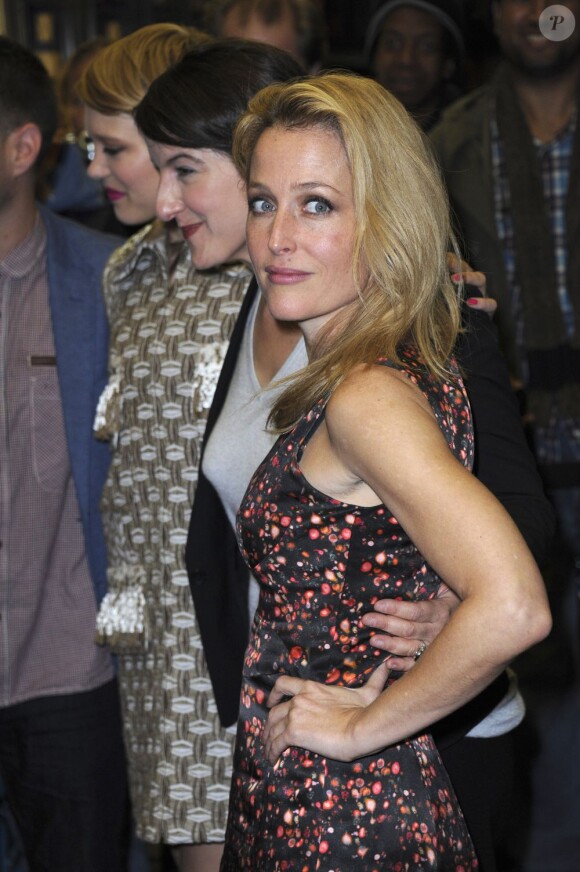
(448, 12)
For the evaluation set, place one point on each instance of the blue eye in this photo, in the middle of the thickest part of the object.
(260, 206)
(318, 206)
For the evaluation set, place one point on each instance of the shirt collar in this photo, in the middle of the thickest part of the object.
(27, 254)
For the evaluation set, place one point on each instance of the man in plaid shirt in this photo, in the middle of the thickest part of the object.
(510, 152)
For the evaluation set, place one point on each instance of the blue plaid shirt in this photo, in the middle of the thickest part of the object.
(559, 441)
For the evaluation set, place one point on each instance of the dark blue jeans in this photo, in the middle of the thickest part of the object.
(63, 765)
(11, 856)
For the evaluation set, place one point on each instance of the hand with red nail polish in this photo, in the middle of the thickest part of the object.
(473, 280)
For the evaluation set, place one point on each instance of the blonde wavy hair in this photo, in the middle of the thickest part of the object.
(118, 78)
(402, 235)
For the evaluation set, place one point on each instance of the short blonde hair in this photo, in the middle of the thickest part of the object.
(402, 236)
(118, 78)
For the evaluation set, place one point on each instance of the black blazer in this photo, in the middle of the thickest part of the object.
(218, 576)
(503, 462)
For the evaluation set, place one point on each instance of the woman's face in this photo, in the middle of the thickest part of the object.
(122, 163)
(202, 190)
(301, 225)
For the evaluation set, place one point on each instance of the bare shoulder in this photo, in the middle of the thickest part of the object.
(380, 424)
(373, 392)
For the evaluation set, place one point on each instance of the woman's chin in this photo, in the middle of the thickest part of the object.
(131, 219)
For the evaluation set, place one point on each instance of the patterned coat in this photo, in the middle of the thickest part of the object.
(169, 334)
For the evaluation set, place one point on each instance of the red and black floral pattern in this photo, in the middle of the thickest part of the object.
(321, 565)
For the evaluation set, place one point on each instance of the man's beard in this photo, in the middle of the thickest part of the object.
(544, 72)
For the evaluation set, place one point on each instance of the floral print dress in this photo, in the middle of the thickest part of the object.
(322, 564)
(169, 335)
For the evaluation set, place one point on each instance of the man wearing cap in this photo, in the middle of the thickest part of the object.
(415, 49)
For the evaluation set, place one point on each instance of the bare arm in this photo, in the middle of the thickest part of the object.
(461, 530)
(404, 628)
(503, 463)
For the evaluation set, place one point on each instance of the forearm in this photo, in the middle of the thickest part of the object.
(456, 667)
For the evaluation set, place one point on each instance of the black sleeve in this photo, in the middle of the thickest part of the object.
(503, 460)
(219, 581)
(218, 576)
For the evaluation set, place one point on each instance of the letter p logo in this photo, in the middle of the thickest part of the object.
(557, 23)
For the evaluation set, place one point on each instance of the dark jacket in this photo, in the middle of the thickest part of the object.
(76, 258)
(462, 141)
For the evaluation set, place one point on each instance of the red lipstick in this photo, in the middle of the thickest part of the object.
(188, 230)
(113, 195)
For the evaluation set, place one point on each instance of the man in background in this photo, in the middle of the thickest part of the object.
(61, 753)
(511, 156)
(297, 26)
(415, 49)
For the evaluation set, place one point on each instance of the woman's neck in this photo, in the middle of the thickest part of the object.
(274, 342)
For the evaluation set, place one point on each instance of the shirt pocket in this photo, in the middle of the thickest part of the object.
(49, 448)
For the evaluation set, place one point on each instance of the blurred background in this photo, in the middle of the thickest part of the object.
(54, 28)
